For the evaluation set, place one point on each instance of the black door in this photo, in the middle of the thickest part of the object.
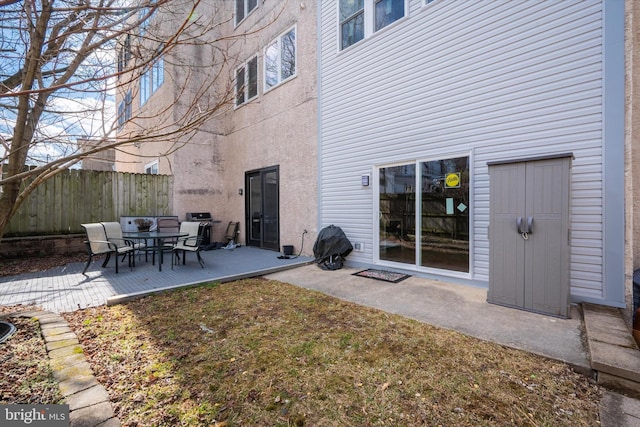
(262, 208)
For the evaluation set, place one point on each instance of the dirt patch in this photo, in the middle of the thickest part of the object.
(15, 266)
(25, 375)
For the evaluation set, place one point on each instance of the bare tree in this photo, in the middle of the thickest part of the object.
(59, 69)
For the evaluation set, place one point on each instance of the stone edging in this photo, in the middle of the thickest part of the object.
(88, 400)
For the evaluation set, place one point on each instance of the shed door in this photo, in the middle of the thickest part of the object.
(529, 235)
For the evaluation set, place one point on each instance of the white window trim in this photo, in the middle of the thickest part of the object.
(145, 86)
(149, 79)
(376, 209)
(245, 67)
(150, 166)
(369, 22)
(278, 39)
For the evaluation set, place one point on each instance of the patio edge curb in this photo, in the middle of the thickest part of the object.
(119, 299)
(88, 400)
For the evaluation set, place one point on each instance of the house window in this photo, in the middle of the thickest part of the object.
(151, 80)
(247, 81)
(244, 8)
(361, 18)
(124, 54)
(124, 110)
(280, 59)
(145, 92)
(145, 18)
(151, 168)
(351, 21)
(157, 74)
(388, 11)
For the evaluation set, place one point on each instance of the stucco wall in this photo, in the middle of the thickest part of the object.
(277, 128)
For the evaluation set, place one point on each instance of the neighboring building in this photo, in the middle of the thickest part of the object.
(492, 137)
(101, 161)
(255, 160)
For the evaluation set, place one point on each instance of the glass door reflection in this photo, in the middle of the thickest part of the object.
(397, 199)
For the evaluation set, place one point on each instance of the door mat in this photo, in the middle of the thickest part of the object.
(384, 275)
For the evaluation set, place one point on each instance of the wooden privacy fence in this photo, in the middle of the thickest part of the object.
(73, 197)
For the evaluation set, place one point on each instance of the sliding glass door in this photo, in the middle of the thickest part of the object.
(444, 216)
(435, 195)
(398, 213)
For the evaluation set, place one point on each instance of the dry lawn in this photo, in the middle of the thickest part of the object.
(265, 353)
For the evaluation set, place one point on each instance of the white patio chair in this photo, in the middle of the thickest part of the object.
(97, 244)
(113, 231)
(190, 243)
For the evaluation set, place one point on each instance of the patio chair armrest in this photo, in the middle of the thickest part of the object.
(184, 240)
(111, 245)
(126, 242)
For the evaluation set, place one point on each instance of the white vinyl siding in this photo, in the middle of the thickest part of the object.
(524, 79)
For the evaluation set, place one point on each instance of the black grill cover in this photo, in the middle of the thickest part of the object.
(331, 242)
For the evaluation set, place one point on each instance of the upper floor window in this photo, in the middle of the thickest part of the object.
(124, 53)
(145, 15)
(124, 110)
(151, 80)
(247, 81)
(387, 11)
(280, 59)
(351, 21)
(244, 8)
(361, 18)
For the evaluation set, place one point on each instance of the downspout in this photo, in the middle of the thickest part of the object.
(319, 110)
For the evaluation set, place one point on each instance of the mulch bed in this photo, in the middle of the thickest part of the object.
(15, 266)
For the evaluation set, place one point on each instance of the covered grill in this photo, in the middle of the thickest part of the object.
(199, 216)
(331, 247)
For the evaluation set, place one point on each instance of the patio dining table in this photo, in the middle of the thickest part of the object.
(158, 238)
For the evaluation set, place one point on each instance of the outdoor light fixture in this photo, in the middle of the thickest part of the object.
(240, 191)
(365, 180)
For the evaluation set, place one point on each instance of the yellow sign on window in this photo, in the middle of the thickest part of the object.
(452, 180)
